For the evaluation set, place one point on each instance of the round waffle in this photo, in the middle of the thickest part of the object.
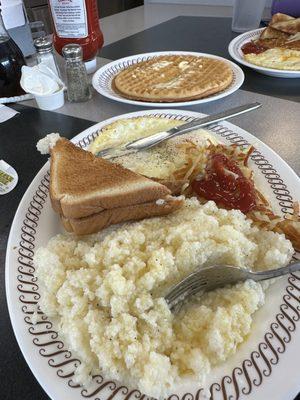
(173, 78)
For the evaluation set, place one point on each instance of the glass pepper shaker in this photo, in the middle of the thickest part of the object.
(77, 79)
(45, 54)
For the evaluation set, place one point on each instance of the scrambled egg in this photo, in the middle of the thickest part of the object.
(106, 291)
(157, 162)
(276, 58)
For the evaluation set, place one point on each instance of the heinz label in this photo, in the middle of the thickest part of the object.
(69, 17)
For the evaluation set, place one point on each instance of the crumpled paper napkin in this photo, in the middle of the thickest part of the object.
(40, 80)
(6, 113)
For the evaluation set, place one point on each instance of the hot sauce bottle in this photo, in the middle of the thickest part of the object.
(76, 22)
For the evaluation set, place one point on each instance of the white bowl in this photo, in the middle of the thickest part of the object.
(51, 101)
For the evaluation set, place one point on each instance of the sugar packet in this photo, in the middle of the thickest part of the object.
(8, 177)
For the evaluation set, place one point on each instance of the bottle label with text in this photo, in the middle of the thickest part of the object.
(69, 17)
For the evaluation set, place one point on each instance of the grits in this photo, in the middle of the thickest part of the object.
(106, 292)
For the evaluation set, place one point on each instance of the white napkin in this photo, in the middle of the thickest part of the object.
(40, 80)
(12, 13)
(6, 113)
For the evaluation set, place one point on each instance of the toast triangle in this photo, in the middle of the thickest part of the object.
(82, 184)
(105, 218)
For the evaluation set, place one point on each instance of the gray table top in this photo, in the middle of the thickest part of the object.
(277, 120)
(276, 123)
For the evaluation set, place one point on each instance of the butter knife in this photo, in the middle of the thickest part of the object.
(150, 141)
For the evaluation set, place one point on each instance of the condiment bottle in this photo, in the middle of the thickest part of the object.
(77, 80)
(45, 54)
(11, 62)
(77, 21)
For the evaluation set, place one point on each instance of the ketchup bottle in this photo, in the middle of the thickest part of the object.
(76, 21)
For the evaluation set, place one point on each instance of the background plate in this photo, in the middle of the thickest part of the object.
(255, 372)
(236, 53)
(102, 79)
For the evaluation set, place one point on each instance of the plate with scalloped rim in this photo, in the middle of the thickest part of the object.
(235, 50)
(257, 369)
(102, 79)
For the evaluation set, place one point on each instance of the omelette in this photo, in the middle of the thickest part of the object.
(276, 58)
(161, 161)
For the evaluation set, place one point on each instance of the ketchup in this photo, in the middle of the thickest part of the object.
(225, 183)
(251, 47)
(76, 21)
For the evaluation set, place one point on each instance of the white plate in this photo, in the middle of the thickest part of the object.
(102, 79)
(235, 50)
(258, 368)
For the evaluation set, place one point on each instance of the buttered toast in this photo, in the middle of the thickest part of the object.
(91, 193)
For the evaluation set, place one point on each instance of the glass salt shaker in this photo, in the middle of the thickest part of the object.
(45, 54)
(77, 79)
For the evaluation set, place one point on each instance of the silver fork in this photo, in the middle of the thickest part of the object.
(210, 278)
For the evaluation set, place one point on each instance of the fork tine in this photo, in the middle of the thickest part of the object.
(177, 303)
(195, 290)
(178, 293)
(183, 286)
(180, 299)
(206, 278)
(194, 285)
(195, 275)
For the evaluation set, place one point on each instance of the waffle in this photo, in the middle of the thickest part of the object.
(173, 78)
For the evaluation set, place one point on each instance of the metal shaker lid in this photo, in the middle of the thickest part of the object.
(43, 44)
(72, 52)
